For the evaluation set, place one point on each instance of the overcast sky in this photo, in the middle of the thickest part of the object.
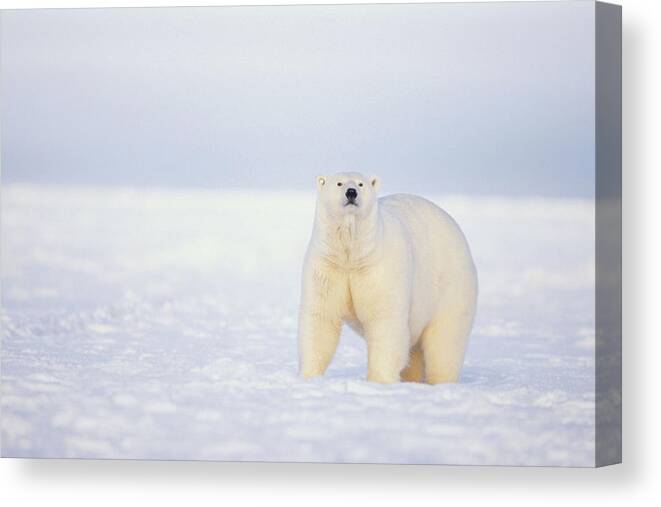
(459, 98)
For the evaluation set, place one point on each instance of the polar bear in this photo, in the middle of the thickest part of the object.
(398, 270)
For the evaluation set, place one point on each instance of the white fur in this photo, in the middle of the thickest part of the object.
(398, 270)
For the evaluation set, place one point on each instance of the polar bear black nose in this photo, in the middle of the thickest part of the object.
(351, 194)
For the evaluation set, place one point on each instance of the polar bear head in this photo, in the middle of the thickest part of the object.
(344, 194)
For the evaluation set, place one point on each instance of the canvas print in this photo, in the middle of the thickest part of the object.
(340, 233)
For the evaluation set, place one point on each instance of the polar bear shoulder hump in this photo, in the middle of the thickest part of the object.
(414, 208)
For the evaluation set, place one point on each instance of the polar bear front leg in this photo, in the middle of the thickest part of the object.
(318, 337)
(387, 350)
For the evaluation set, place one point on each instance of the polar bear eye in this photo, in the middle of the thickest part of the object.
(339, 183)
(360, 184)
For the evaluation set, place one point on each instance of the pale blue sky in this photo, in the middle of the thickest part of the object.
(457, 98)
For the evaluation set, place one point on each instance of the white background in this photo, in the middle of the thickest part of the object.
(60, 482)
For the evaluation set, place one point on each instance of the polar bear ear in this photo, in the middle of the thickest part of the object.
(375, 181)
(321, 181)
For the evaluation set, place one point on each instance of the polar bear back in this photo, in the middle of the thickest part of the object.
(444, 268)
(433, 231)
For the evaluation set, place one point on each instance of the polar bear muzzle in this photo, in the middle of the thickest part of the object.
(351, 194)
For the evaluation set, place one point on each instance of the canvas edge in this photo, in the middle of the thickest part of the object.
(608, 234)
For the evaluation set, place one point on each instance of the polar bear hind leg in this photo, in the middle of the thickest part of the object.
(444, 343)
(415, 370)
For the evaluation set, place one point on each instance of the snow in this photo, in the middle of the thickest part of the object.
(162, 324)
